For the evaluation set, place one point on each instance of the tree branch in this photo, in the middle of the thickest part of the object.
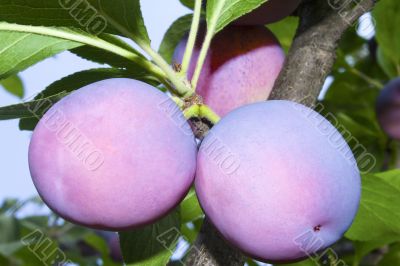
(313, 51)
(211, 249)
(310, 61)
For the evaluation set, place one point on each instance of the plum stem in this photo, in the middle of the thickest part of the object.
(366, 78)
(192, 111)
(201, 111)
(178, 101)
(181, 84)
(202, 57)
(192, 38)
(207, 113)
(211, 31)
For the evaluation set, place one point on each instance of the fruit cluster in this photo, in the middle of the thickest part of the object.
(387, 109)
(119, 154)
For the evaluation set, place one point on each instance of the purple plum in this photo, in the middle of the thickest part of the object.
(270, 12)
(388, 109)
(115, 155)
(241, 67)
(115, 248)
(278, 181)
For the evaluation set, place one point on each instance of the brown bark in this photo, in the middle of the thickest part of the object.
(309, 62)
(313, 52)
(211, 249)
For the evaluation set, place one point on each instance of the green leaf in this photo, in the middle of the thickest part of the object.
(379, 208)
(9, 229)
(86, 77)
(351, 42)
(125, 16)
(52, 13)
(357, 119)
(285, 31)
(100, 244)
(27, 257)
(190, 208)
(21, 50)
(9, 248)
(14, 85)
(251, 262)
(392, 258)
(12, 206)
(74, 82)
(33, 223)
(4, 260)
(387, 64)
(188, 3)
(189, 233)
(93, 16)
(174, 35)
(41, 246)
(153, 244)
(222, 12)
(76, 38)
(387, 30)
(74, 233)
(101, 56)
(7, 205)
(364, 248)
(34, 108)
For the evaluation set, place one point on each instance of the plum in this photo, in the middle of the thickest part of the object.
(113, 243)
(270, 12)
(388, 109)
(241, 67)
(278, 181)
(114, 155)
(115, 248)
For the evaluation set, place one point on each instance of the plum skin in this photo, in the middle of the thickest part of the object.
(241, 67)
(113, 243)
(148, 156)
(388, 109)
(288, 181)
(115, 249)
(270, 12)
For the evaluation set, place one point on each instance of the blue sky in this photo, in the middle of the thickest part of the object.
(15, 180)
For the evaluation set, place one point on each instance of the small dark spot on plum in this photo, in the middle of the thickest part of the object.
(317, 228)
